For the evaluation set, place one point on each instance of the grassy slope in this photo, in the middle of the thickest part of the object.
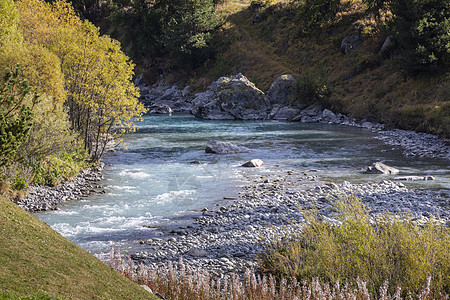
(36, 260)
(364, 84)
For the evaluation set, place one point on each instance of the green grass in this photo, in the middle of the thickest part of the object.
(38, 263)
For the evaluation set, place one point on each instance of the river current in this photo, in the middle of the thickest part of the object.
(154, 183)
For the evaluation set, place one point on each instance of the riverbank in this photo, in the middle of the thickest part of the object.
(41, 198)
(228, 238)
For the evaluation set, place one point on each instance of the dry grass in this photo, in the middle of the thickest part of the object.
(363, 83)
(177, 282)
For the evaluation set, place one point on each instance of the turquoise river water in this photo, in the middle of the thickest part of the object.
(153, 183)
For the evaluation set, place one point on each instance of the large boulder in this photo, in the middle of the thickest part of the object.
(380, 168)
(282, 90)
(283, 113)
(233, 98)
(218, 147)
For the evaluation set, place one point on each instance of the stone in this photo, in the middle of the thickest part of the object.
(388, 46)
(283, 113)
(218, 147)
(350, 42)
(231, 98)
(196, 252)
(328, 114)
(414, 178)
(164, 93)
(254, 163)
(145, 287)
(163, 109)
(282, 90)
(381, 168)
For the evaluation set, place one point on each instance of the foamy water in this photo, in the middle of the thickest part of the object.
(154, 184)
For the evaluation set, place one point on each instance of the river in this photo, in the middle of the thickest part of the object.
(154, 183)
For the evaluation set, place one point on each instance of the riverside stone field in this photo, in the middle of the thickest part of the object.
(228, 238)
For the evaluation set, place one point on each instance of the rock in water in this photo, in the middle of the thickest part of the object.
(218, 147)
(380, 168)
(231, 98)
(414, 178)
(161, 109)
(254, 163)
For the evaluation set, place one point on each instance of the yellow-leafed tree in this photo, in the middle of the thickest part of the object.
(101, 98)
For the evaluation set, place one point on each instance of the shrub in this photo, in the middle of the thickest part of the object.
(314, 14)
(15, 115)
(389, 248)
(309, 90)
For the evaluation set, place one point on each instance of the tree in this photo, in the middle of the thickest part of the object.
(422, 28)
(158, 28)
(15, 115)
(9, 20)
(101, 98)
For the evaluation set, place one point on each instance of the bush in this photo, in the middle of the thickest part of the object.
(52, 170)
(15, 115)
(422, 29)
(309, 90)
(389, 248)
(314, 14)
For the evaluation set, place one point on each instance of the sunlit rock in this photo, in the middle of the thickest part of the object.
(254, 163)
(381, 168)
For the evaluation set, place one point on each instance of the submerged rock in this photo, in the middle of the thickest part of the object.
(254, 163)
(380, 168)
(218, 147)
(231, 98)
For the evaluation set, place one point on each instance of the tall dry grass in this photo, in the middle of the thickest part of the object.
(177, 282)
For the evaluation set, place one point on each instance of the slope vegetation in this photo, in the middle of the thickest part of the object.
(35, 261)
(266, 40)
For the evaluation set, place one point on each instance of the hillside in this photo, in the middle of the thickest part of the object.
(35, 260)
(265, 41)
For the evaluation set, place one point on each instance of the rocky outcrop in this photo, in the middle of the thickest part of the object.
(381, 168)
(282, 90)
(254, 163)
(163, 94)
(231, 98)
(218, 147)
